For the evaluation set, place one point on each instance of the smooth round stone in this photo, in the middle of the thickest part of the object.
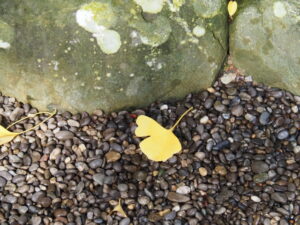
(99, 178)
(204, 120)
(255, 198)
(10, 199)
(64, 135)
(200, 155)
(36, 220)
(203, 171)
(140, 175)
(73, 123)
(221, 170)
(220, 211)
(22, 209)
(183, 190)
(259, 167)
(45, 202)
(95, 163)
(55, 153)
(175, 197)
(284, 134)
(122, 187)
(170, 216)
(112, 156)
(60, 213)
(35, 156)
(264, 118)
(125, 221)
(23, 189)
(237, 110)
(260, 178)
(6, 175)
(279, 197)
(2, 182)
(143, 200)
(219, 106)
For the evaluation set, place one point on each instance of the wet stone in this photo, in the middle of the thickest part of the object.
(279, 197)
(283, 135)
(237, 110)
(260, 178)
(64, 135)
(264, 118)
(175, 197)
(95, 163)
(259, 167)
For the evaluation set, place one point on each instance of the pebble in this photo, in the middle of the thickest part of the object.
(183, 190)
(175, 197)
(125, 221)
(283, 135)
(259, 167)
(112, 156)
(237, 110)
(203, 171)
(220, 211)
(64, 135)
(221, 170)
(255, 198)
(73, 123)
(95, 163)
(143, 200)
(228, 78)
(264, 118)
(279, 197)
(204, 120)
(55, 153)
(6, 175)
(36, 220)
(200, 155)
(2, 182)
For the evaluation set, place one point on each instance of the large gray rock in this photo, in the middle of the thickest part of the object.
(109, 54)
(265, 40)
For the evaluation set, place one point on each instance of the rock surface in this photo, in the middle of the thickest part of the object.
(264, 42)
(109, 54)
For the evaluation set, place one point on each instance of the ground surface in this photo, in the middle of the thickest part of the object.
(240, 163)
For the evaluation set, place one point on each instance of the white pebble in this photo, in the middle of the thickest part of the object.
(295, 109)
(255, 198)
(204, 120)
(164, 107)
(55, 153)
(183, 190)
(296, 149)
(228, 78)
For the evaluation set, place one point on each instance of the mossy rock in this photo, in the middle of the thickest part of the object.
(264, 42)
(110, 54)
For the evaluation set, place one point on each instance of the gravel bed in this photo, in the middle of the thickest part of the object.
(239, 164)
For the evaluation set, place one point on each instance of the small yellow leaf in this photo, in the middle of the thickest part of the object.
(232, 7)
(6, 136)
(118, 208)
(160, 144)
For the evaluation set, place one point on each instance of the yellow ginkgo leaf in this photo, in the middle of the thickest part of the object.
(232, 7)
(118, 208)
(6, 136)
(160, 144)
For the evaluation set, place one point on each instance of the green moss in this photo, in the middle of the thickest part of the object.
(103, 13)
(6, 32)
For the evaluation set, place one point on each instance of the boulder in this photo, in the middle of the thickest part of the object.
(264, 42)
(109, 54)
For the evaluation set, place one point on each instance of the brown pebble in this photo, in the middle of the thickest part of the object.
(112, 156)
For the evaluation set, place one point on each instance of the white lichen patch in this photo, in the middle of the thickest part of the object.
(89, 18)
(175, 5)
(279, 9)
(198, 31)
(109, 41)
(4, 44)
(151, 6)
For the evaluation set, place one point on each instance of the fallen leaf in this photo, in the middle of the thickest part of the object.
(232, 7)
(160, 144)
(6, 136)
(118, 208)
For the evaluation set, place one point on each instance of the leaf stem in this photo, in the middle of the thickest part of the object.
(31, 116)
(180, 118)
